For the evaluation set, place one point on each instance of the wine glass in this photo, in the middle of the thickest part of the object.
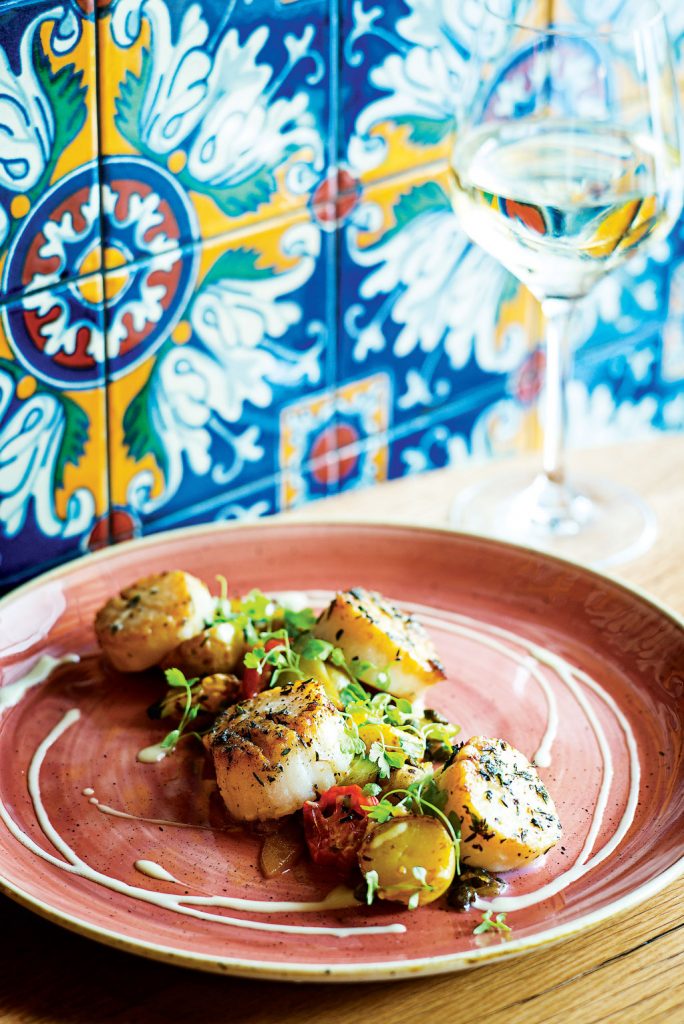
(566, 161)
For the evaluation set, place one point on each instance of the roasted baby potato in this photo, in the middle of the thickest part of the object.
(413, 856)
(211, 694)
(218, 648)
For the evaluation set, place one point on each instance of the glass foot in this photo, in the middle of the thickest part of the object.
(590, 521)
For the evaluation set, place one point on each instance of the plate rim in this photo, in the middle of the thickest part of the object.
(273, 523)
(338, 972)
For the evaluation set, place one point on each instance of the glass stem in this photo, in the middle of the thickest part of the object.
(558, 314)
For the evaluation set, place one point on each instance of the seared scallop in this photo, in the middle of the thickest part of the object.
(507, 816)
(218, 648)
(148, 619)
(278, 749)
(369, 629)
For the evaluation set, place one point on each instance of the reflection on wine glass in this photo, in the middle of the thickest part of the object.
(566, 161)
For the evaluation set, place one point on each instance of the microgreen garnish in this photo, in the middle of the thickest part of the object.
(410, 732)
(223, 601)
(420, 875)
(489, 924)
(372, 789)
(176, 679)
(352, 742)
(315, 648)
(384, 758)
(354, 693)
(299, 622)
(253, 614)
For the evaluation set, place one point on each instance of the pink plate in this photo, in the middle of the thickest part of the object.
(525, 639)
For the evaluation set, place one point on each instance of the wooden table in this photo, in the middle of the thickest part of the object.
(626, 971)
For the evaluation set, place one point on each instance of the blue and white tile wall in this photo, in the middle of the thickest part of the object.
(230, 277)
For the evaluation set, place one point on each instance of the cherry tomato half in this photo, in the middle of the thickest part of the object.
(335, 825)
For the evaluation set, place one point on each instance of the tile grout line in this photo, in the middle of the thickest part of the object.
(243, 231)
(103, 275)
(334, 275)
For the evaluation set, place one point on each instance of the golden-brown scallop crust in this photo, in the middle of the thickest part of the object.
(139, 626)
(278, 749)
(367, 627)
(508, 817)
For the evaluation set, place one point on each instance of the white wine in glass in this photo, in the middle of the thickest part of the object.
(562, 186)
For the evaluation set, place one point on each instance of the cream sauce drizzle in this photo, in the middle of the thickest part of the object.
(38, 673)
(189, 906)
(114, 813)
(522, 652)
(152, 754)
(154, 870)
(542, 756)
(573, 678)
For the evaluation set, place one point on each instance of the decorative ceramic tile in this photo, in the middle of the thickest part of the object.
(207, 343)
(291, 306)
(327, 440)
(404, 75)
(49, 194)
(53, 457)
(212, 116)
(617, 392)
(400, 70)
(419, 301)
(245, 504)
(404, 79)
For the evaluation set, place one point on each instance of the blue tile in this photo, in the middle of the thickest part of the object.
(213, 117)
(419, 302)
(245, 504)
(208, 345)
(401, 74)
(49, 182)
(53, 459)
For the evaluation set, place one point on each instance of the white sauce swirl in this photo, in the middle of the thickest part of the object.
(524, 653)
(189, 906)
(114, 813)
(154, 870)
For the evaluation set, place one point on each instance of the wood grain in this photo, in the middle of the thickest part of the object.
(626, 971)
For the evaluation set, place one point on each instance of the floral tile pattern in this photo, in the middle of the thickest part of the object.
(218, 337)
(418, 298)
(49, 191)
(329, 440)
(403, 81)
(53, 457)
(212, 117)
